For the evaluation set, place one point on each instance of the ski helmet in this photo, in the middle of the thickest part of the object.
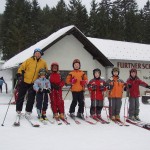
(38, 50)
(96, 70)
(76, 61)
(115, 69)
(42, 71)
(56, 64)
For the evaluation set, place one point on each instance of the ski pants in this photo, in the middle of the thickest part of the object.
(24, 87)
(57, 103)
(134, 106)
(96, 107)
(114, 106)
(77, 97)
(42, 102)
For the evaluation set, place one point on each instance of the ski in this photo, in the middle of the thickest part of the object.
(17, 121)
(138, 124)
(103, 121)
(97, 120)
(74, 119)
(32, 124)
(65, 121)
(42, 121)
(117, 122)
(124, 124)
(50, 121)
(58, 121)
(86, 120)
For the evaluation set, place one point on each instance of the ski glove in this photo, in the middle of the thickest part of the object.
(46, 90)
(109, 87)
(54, 86)
(129, 86)
(83, 83)
(94, 87)
(73, 81)
(40, 90)
(148, 86)
(101, 88)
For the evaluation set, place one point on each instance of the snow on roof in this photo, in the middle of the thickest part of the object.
(111, 49)
(27, 53)
(122, 50)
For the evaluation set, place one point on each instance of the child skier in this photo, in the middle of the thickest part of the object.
(96, 87)
(78, 79)
(42, 88)
(115, 94)
(133, 83)
(57, 103)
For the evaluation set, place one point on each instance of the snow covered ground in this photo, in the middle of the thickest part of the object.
(71, 137)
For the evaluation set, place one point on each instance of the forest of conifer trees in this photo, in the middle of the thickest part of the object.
(24, 23)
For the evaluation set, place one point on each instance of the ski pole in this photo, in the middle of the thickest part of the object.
(124, 109)
(9, 104)
(67, 93)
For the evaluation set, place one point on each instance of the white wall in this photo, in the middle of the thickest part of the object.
(68, 49)
(143, 73)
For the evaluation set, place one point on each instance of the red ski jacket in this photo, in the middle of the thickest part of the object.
(97, 93)
(135, 83)
(56, 80)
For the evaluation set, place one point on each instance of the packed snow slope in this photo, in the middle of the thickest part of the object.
(70, 137)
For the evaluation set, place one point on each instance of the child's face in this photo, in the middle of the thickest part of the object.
(115, 73)
(42, 76)
(76, 65)
(133, 74)
(97, 74)
(55, 68)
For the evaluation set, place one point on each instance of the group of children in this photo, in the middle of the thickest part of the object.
(77, 79)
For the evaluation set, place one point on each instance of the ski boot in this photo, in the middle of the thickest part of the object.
(137, 118)
(94, 116)
(28, 115)
(132, 118)
(72, 115)
(117, 117)
(99, 116)
(61, 116)
(113, 118)
(80, 115)
(44, 117)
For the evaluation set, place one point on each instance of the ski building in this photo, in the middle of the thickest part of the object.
(70, 43)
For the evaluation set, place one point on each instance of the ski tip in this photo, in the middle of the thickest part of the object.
(36, 125)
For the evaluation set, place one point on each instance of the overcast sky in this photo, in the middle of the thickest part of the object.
(52, 3)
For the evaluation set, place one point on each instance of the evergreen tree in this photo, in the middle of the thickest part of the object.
(93, 19)
(59, 15)
(146, 23)
(77, 15)
(47, 21)
(1, 16)
(103, 25)
(36, 29)
(14, 27)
